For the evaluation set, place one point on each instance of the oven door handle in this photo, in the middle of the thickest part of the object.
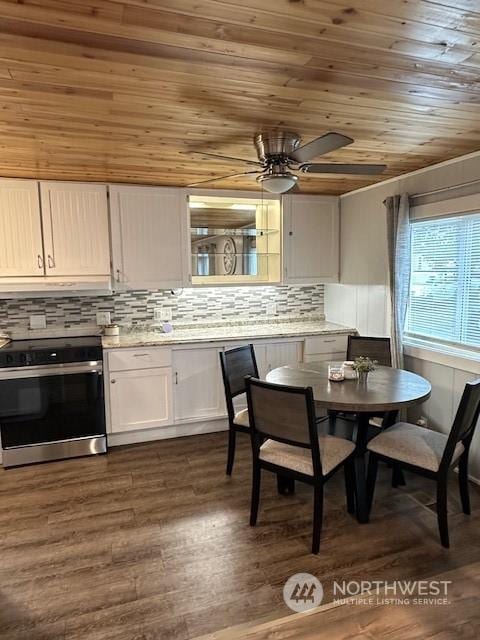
(43, 371)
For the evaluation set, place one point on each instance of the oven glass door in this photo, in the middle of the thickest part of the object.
(49, 408)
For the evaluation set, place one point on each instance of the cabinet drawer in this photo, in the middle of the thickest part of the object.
(127, 359)
(325, 344)
(324, 357)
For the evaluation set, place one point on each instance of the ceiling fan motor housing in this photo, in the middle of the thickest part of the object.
(277, 144)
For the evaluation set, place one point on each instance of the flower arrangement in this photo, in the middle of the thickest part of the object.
(363, 364)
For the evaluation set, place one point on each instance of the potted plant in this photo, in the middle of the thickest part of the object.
(363, 366)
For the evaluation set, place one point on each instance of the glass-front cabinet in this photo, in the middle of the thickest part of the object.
(234, 239)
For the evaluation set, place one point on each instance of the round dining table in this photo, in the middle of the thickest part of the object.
(386, 391)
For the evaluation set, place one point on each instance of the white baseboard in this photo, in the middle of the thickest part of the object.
(163, 433)
(474, 480)
(470, 477)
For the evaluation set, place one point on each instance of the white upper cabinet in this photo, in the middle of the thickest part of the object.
(21, 249)
(149, 237)
(75, 229)
(310, 239)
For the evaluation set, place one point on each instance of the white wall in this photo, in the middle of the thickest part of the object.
(362, 297)
(364, 307)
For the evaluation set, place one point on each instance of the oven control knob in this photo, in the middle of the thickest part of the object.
(25, 358)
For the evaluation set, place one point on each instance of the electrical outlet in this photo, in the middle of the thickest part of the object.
(271, 308)
(103, 318)
(38, 322)
(163, 314)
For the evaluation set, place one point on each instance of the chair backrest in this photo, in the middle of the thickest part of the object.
(236, 365)
(465, 421)
(285, 414)
(378, 349)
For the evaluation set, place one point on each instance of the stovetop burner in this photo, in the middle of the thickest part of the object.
(23, 353)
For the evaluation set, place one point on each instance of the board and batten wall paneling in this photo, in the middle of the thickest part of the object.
(362, 306)
(364, 269)
(363, 241)
(439, 410)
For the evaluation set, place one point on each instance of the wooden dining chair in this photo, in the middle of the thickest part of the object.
(431, 454)
(285, 441)
(378, 349)
(236, 364)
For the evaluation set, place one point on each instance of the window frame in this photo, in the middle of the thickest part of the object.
(417, 343)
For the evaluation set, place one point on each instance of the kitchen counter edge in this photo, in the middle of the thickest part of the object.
(296, 330)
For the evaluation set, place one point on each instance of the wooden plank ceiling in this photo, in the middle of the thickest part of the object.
(121, 90)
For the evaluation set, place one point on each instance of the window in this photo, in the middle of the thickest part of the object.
(444, 299)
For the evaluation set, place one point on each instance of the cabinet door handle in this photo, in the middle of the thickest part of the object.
(141, 355)
(333, 340)
(51, 262)
(40, 261)
(176, 377)
(112, 381)
(118, 275)
(290, 233)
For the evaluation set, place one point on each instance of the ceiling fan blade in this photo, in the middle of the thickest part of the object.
(232, 175)
(355, 169)
(320, 146)
(229, 158)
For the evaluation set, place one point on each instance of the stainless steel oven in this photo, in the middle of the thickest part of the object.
(51, 400)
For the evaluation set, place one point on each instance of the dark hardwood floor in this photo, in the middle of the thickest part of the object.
(347, 621)
(152, 542)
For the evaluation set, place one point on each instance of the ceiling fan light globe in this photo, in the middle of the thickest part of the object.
(278, 183)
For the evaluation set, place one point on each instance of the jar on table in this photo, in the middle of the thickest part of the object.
(349, 372)
(335, 372)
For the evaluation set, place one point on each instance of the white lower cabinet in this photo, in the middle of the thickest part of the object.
(168, 386)
(198, 387)
(275, 354)
(140, 399)
(280, 354)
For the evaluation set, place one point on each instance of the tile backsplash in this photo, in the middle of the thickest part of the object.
(188, 305)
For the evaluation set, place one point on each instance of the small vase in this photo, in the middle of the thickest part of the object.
(362, 377)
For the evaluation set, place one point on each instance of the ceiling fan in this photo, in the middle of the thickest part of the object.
(279, 153)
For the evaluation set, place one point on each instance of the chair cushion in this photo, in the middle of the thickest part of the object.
(333, 451)
(241, 418)
(414, 445)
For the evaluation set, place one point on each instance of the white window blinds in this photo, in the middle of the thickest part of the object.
(444, 299)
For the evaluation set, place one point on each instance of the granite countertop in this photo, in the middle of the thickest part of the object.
(225, 332)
